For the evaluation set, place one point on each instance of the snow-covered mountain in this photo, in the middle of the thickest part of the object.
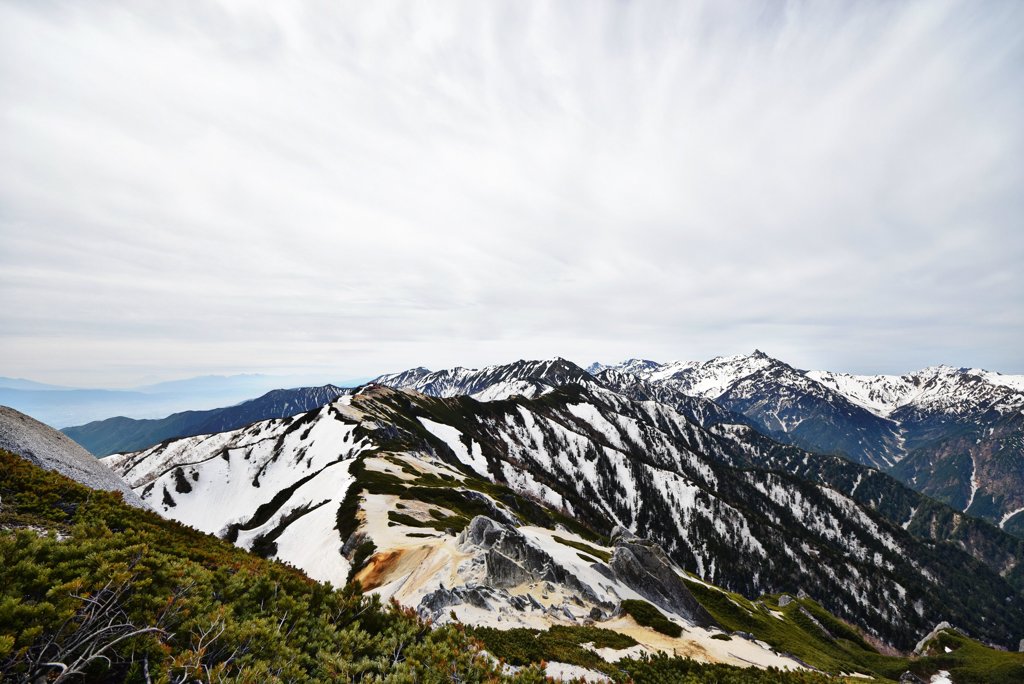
(783, 402)
(506, 511)
(953, 433)
(273, 486)
(934, 390)
(963, 434)
(521, 378)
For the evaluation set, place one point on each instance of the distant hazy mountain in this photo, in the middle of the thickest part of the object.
(61, 407)
(114, 435)
(23, 384)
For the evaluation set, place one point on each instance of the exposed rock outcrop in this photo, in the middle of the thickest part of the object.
(510, 560)
(643, 566)
(501, 558)
(923, 643)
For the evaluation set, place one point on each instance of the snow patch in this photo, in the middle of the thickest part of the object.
(473, 457)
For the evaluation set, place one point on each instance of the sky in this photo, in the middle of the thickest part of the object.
(348, 188)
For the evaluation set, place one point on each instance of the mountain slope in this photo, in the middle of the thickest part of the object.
(274, 485)
(748, 448)
(963, 433)
(120, 434)
(219, 611)
(47, 448)
(585, 458)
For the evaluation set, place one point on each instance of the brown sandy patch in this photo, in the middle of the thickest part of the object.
(378, 568)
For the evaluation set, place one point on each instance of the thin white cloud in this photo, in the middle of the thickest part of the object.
(196, 187)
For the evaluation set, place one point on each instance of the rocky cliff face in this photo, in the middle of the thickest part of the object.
(509, 567)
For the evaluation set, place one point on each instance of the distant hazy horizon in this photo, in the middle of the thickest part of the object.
(348, 189)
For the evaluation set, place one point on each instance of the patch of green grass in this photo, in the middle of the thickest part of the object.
(649, 616)
(586, 548)
(455, 523)
(797, 634)
(662, 669)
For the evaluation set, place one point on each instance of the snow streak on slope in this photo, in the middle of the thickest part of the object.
(453, 438)
(275, 482)
(974, 484)
(1006, 518)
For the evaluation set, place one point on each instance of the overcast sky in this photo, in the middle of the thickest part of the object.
(352, 188)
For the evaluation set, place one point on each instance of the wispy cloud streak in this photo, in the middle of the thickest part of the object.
(361, 186)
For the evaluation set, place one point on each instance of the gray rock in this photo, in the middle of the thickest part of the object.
(919, 648)
(47, 448)
(434, 603)
(620, 533)
(510, 560)
(643, 566)
(785, 600)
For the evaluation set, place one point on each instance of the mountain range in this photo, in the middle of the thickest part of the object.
(540, 495)
(956, 434)
(393, 478)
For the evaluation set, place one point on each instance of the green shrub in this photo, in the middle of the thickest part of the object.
(585, 548)
(214, 611)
